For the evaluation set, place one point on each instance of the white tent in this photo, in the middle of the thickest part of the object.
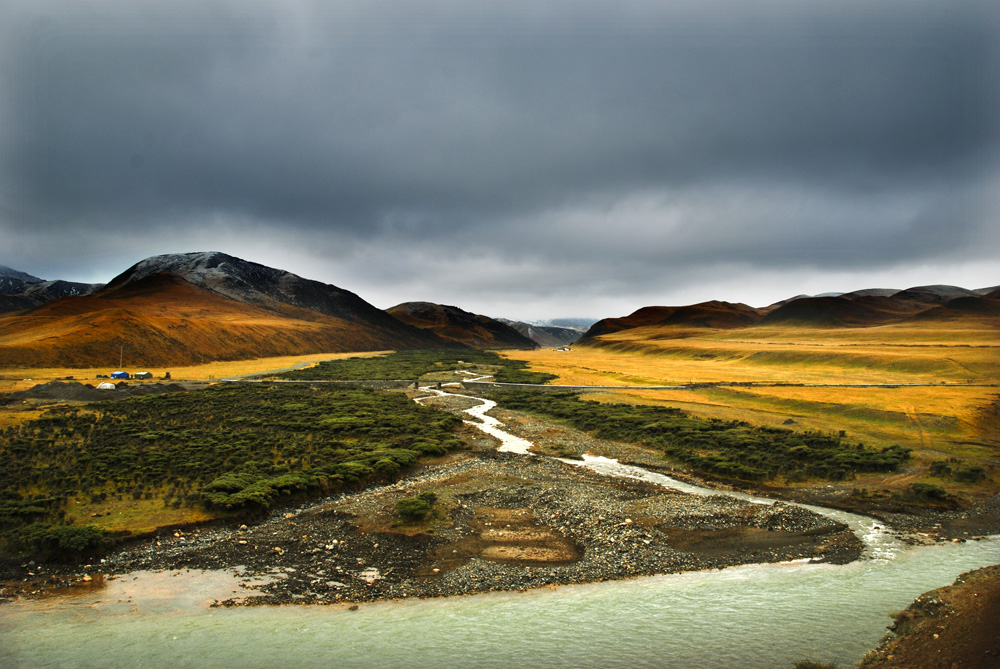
(106, 386)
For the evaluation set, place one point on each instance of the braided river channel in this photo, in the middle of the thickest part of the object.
(768, 615)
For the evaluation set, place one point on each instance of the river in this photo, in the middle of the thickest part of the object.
(751, 616)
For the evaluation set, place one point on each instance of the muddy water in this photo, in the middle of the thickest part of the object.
(750, 616)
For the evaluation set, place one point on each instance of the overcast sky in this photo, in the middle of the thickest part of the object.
(521, 159)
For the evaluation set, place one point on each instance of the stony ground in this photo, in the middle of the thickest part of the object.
(501, 522)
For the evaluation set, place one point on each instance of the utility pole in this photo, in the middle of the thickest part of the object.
(121, 356)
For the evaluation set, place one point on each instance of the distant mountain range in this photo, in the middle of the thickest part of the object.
(184, 308)
(19, 290)
(862, 308)
(549, 335)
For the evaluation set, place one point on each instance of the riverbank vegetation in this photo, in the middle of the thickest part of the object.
(231, 448)
(423, 365)
(759, 375)
(725, 449)
(75, 472)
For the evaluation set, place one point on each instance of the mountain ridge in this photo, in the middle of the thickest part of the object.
(455, 324)
(860, 308)
(11, 273)
(549, 336)
(20, 290)
(177, 309)
(276, 294)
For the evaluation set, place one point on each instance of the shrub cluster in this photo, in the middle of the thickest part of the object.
(415, 509)
(927, 492)
(414, 364)
(63, 542)
(952, 468)
(232, 447)
(732, 450)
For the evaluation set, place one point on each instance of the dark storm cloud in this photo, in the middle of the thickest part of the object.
(590, 137)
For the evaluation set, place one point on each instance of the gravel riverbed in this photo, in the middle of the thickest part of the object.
(500, 522)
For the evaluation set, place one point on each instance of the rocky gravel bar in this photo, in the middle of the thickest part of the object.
(500, 522)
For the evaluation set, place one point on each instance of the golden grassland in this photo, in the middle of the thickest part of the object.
(937, 421)
(890, 354)
(21, 378)
(12, 379)
(134, 516)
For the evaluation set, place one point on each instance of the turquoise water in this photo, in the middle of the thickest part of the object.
(752, 616)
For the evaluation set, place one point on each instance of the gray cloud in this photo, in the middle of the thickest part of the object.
(595, 149)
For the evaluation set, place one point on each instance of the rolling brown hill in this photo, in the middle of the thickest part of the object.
(460, 326)
(829, 312)
(164, 319)
(963, 308)
(858, 309)
(713, 314)
(637, 319)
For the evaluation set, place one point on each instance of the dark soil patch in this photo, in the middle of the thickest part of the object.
(507, 536)
(70, 391)
(754, 540)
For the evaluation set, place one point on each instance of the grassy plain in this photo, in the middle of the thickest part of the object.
(135, 464)
(937, 421)
(21, 378)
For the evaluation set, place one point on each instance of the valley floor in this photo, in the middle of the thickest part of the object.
(501, 522)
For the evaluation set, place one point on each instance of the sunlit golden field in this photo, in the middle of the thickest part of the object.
(888, 354)
(936, 421)
(22, 378)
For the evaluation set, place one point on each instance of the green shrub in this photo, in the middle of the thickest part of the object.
(940, 468)
(428, 496)
(972, 474)
(928, 491)
(413, 509)
(731, 450)
(229, 447)
(427, 448)
(385, 467)
(60, 542)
